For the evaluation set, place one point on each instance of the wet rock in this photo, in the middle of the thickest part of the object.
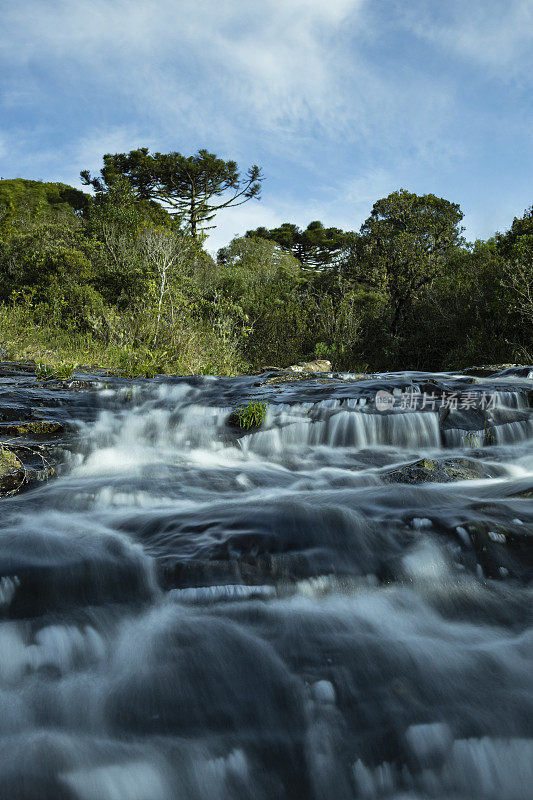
(250, 690)
(526, 494)
(249, 571)
(429, 470)
(53, 568)
(33, 428)
(501, 550)
(291, 377)
(17, 368)
(81, 384)
(26, 466)
(11, 472)
(491, 370)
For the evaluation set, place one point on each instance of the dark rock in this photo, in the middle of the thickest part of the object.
(32, 428)
(526, 494)
(11, 480)
(501, 549)
(428, 470)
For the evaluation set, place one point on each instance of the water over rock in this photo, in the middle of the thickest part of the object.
(335, 603)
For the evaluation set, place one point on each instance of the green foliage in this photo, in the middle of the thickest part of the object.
(194, 187)
(23, 200)
(404, 245)
(59, 370)
(257, 260)
(476, 439)
(316, 246)
(115, 282)
(251, 415)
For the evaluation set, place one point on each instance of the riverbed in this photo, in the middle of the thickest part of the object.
(334, 604)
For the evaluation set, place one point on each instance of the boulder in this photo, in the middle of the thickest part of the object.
(429, 470)
(321, 365)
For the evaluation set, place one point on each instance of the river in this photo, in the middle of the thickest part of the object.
(336, 605)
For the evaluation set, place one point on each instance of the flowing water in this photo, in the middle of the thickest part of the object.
(191, 610)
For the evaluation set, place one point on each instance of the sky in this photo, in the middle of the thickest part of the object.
(340, 102)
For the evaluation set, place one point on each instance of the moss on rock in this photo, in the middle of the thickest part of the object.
(429, 470)
(35, 428)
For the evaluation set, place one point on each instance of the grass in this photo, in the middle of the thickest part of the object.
(251, 415)
(63, 369)
(58, 351)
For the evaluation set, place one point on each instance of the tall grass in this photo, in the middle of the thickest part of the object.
(125, 347)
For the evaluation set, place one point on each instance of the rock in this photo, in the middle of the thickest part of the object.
(11, 472)
(35, 428)
(526, 494)
(311, 366)
(303, 366)
(428, 470)
(501, 549)
(22, 466)
(491, 370)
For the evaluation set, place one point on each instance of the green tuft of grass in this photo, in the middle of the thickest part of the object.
(62, 369)
(251, 415)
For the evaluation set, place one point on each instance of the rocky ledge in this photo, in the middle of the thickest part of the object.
(36, 423)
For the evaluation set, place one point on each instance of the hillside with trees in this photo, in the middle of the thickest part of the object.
(121, 278)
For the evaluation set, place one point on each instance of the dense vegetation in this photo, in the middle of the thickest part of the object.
(122, 279)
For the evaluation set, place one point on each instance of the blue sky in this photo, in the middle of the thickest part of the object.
(340, 102)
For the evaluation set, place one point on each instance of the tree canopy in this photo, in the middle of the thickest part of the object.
(39, 201)
(316, 246)
(194, 188)
(117, 274)
(405, 244)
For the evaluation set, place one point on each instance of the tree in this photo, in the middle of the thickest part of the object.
(516, 249)
(259, 257)
(24, 203)
(316, 246)
(194, 187)
(167, 253)
(404, 245)
(520, 234)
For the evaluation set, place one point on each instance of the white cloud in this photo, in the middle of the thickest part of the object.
(494, 35)
(87, 152)
(282, 74)
(280, 63)
(302, 85)
(236, 221)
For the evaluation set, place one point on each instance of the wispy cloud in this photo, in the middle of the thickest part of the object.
(494, 35)
(340, 102)
(280, 65)
(285, 74)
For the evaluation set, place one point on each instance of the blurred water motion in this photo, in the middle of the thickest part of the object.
(195, 611)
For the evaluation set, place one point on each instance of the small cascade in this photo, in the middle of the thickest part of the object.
(516, 399)
(409, 429)
(347, 426)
